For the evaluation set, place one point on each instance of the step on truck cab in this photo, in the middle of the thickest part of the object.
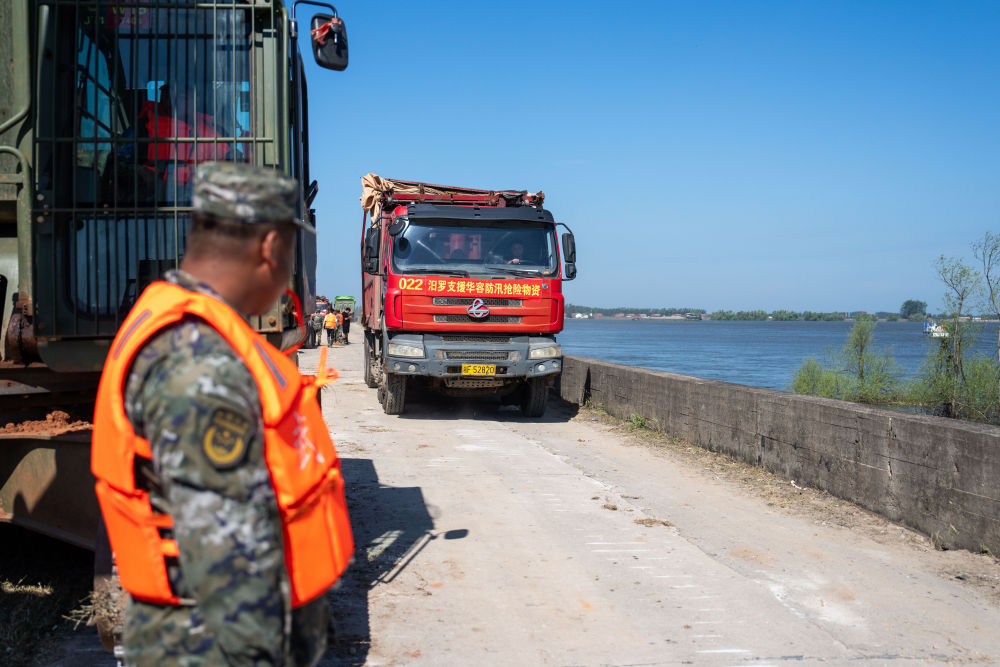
(462, 292)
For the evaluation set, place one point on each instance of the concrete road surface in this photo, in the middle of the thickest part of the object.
(485, 538)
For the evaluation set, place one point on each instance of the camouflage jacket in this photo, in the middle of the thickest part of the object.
(231, 569)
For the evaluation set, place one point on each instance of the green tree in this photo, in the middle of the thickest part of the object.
(913, 309)
(859, 342)
(937, 389)
(873, 373)
(963, 286)
(857, 372)
(987, 251)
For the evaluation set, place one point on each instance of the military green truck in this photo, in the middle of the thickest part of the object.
(106, 109)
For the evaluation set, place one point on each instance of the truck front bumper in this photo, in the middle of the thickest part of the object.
(444, 355)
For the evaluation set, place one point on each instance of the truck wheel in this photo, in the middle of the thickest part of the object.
(369, 376)
(535, 397)
(393, 393)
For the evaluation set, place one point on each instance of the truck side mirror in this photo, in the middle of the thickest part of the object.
(570, 271)
(569, 248)
(329, 41)
(311, 192)
(371, 251)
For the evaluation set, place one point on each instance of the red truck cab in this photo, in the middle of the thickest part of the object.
(462, 292)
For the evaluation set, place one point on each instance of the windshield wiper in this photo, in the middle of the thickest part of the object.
(439, 271)
(516, 272)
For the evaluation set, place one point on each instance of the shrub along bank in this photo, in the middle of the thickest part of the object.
(951, 382)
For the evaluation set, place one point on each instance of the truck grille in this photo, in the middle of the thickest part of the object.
(470, 338)
(477, 355)
(465, 319)
(467, 301)
(469, 383)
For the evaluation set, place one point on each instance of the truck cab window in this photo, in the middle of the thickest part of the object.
(92, 117)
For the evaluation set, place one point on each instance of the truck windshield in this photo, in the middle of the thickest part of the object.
(503, 250)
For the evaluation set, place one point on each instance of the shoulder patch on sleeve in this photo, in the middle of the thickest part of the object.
(225, 439)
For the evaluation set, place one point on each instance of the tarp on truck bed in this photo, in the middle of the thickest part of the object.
(375, 189)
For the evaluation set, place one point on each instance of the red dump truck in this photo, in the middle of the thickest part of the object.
(462, 292)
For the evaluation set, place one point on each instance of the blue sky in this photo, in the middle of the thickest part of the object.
(717, 155)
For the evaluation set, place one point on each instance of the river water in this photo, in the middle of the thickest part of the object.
(759, 354)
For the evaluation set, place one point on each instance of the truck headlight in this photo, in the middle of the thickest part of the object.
(547, 352)
(404, 350)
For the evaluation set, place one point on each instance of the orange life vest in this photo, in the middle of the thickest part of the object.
(300, 456)
(330, 321)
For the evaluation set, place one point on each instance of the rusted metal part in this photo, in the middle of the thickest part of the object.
(22, 346)
(46, 485)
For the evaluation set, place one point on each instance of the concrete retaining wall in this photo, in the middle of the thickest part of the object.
(939, 476)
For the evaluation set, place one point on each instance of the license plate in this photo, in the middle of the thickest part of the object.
(479, 369)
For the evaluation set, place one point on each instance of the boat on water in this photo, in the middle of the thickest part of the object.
(935, 330)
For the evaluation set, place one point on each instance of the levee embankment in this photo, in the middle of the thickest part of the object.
(939, 476)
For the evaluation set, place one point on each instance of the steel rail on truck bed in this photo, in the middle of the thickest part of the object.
(34, 386)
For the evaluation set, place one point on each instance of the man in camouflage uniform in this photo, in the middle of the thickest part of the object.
(316, 328)
(231, 571)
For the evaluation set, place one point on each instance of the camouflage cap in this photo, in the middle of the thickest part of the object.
(240, 191)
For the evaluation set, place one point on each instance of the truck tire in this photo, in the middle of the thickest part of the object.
(535, 397)
(369, 376)
(393, 393)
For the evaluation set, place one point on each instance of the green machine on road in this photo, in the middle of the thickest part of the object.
(105, 113)
(343, 303)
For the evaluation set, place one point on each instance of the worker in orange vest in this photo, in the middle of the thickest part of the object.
(330, 324)
(218, 482)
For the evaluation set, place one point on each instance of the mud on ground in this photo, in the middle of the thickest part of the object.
(55, 422)
(981, 571)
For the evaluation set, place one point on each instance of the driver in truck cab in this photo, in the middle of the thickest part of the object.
(516, 253)
(176, 117)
